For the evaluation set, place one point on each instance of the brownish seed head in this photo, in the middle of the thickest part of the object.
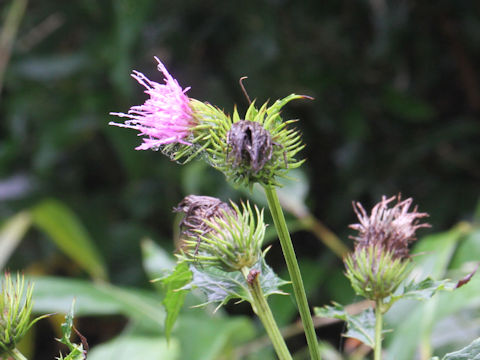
(388, 229)
(249, 144)
(196, 210)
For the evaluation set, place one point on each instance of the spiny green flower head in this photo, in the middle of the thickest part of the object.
(233, 240)
(16, 307)
(258, 148)
(375, 274)
(380, 260)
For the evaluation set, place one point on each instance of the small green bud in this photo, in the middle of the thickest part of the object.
(231, 239)
(16, 307)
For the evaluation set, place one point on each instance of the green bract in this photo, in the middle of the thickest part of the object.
(208, 118)
(374, 272)
(234, 241)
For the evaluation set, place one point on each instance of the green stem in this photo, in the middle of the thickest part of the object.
(378, 330)
(294, 271)
(261, 308)
(16, 354)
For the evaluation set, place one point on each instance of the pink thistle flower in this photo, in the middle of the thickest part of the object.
(164, 118)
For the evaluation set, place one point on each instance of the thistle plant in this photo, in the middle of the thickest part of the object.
(380, 261)
(16, 309)
(222, 245)
(258, 148)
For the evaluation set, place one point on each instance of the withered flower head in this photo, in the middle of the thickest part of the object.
(249, 145)
(390, 229)
(258, 147)
(380, 261)
(197, 209)
(216, 234)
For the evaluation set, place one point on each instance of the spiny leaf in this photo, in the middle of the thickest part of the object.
(360, 327)
(470, 352)
(219, 286)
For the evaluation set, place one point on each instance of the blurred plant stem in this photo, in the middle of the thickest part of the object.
(15, 354)
(378, 329)
(8, 34)
(293, 270)
(325, 235)
(261, 308)
(315, 226)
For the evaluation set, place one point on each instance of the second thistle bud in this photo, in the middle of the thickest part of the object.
(217, 234)
(380, 261)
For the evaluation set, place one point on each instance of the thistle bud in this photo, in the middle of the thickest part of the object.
(16, 308)
(380, 259)
(258, 148)
(215, 234)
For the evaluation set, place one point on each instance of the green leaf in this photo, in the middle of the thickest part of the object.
(470, 352)
(54, 294)
(136, 347)
(360, 327)
(68, 233)
(212, 337)
(174, 286)
(414, 320)
(422, 290)
(11, 232)
(76, 351)
(219, 286)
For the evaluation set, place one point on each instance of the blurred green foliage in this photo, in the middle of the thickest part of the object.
(397, 99)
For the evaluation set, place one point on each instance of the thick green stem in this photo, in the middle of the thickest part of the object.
(378, 330)
(294, 271)
(16, 354)
(261, 308)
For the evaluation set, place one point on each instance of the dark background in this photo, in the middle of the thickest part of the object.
(397, 99)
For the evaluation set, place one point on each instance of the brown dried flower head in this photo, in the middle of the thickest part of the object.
(250, 145)
(197, 209)
(388, 229)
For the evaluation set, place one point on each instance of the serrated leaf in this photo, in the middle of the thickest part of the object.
(219, 286)
(175, 291)
(360, 327)
(470, 352)
(424, 289)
